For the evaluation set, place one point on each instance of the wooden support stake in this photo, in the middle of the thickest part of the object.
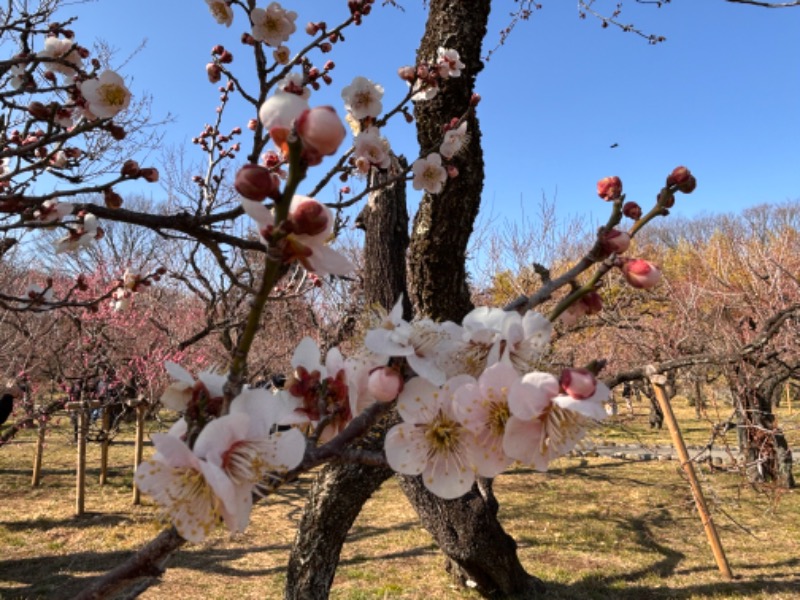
(138, 447)
(659, 382)
(37, 457)
(788, 391)
(104, 446)
(80, 479)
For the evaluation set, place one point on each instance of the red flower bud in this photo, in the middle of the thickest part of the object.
(254, 182)
(579, 384)
(309, 217)
(149, 174)
(632, 210)
(321, 130)
(609, 188)
(641, 273)
(615, 241)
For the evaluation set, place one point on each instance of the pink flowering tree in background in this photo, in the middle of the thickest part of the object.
(406, 375)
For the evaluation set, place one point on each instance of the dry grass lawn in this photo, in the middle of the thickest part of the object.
(592, 528)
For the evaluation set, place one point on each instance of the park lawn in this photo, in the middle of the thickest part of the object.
(592, 528)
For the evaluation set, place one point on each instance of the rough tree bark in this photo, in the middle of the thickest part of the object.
(340, 490)
(762, 442)
(479, 552)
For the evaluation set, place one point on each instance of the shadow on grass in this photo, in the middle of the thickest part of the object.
(88, 519)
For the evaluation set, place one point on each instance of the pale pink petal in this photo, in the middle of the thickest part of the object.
(258, 212)
(522, 441)
(447, 477)
(415, 403)
(286, 450)
(406, 449)
(533, 395)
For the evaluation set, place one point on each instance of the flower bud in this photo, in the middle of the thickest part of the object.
(615, 241)
(112, 199)
(321, 130)
(384, 384)
(130, 168)
(214, 72)
(309, 217)
(592, 303)
(641, 273)
(682, 179)
(254, 182)
(407, 73)
(579, 384)
(632, 210)
(666, 198)
(149, 174)
(609, 188)
(38, 110)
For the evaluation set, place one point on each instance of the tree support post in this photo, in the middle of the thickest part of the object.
(37, 457)
(82, 410)
(138, 446)
(659, 381)
(106, 427)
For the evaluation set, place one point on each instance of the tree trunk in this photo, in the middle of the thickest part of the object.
(762, 442)
(444, 222)
(480, 553)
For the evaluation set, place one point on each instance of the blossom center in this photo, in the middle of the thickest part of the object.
(442, 434)
(112, 94)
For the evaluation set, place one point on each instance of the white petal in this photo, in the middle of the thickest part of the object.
(406, 450)
(178, 373)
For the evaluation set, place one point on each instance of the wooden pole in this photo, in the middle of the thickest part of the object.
(104, 445)
(80, 479)
(138, 447)
(788, 391)
(37, 457)
(659, 382)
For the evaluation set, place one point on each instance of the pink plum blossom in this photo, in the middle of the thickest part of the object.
(273, 25)
(641, 273)
(52, 210)
(449, 63)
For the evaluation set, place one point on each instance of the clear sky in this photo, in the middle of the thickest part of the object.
(720, 96)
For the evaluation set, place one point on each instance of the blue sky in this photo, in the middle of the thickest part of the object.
(720, 96)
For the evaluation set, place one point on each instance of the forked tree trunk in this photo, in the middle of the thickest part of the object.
(340, 490)
(480, 554)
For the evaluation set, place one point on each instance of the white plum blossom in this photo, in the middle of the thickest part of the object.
(273, 25)
(546, 423)
(371, 146)
(81, 237)
(316, 390)
(281, 109)
(424, 91)
(293, 84)
(18, 76)
(418, 342)
(431, 441)
(106, 95)
(221, 11)
(482, 407)
(429, 174)
(362, 98)
(454, 140)
(242, 444)
(180, 392)
(193, 492)
(64, 50)
(52, 210)
(312, 228)
(449, 63)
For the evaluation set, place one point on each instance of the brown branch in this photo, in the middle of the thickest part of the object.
(147, 562)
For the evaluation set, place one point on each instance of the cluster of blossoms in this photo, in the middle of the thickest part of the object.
(216, 478)
(471, 397)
